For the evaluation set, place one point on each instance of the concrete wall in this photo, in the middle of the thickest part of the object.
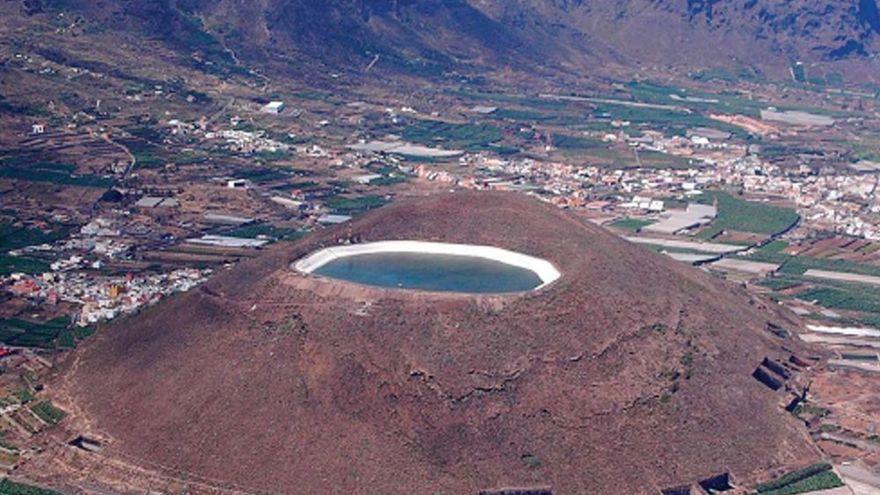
(542, 268)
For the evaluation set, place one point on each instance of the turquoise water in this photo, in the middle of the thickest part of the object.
(431, 272)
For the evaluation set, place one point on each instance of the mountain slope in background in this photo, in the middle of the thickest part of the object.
(435, 37)
(756, 36)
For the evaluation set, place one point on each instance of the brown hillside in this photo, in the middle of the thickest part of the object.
(629, 374)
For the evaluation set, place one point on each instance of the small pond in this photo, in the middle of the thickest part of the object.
(431, 272)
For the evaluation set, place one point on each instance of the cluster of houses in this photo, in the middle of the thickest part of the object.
(104, 297)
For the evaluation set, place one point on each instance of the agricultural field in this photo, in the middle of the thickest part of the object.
(852, 298)
(260, 175)
(697, 101)
(469, 137)
(47, 412)
(147, 159)
(502, 99)
(8, 487)
(811, 479)
(843, 248)
(268, 157)
(388, 181)
(659, 161)
(735, 214)
(47, 335)
(266, 230)
(861, 302)
(55, 173)
(631, 224)
(529, 116)
(351, 206)
(14, 236)
(22, 264)
(568, 142)
(798, 265)
(780, 283)
(670, 122)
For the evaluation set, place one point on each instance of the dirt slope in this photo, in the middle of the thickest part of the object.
(628, 374)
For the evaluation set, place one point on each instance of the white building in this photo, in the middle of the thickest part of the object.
(273, 107)
(367, 178)
(333, 219)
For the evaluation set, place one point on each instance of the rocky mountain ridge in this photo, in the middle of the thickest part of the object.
(435, 38)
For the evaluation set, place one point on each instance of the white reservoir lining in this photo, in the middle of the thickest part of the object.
(542, 268)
